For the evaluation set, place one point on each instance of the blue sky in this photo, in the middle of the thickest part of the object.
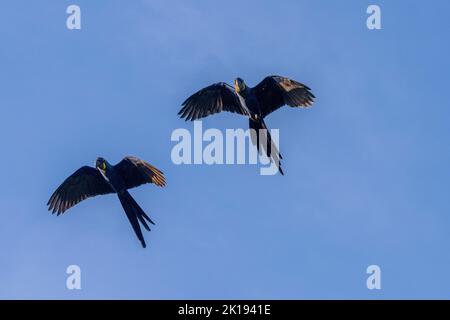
(367, 168)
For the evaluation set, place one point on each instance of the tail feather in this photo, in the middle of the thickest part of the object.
(141, 214)
(143, 222)
(274, 154)
(134, 214)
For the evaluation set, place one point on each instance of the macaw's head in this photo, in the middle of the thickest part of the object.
(101, 164)
(239, 85)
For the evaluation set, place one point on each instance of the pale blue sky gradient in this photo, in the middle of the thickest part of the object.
(367, 168)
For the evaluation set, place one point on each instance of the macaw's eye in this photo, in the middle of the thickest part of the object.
(103, 166)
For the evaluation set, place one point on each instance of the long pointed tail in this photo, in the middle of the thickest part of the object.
(270, 148)
(134, 214)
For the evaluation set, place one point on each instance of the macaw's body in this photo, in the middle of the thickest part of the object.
(256, 103)
(105, 178)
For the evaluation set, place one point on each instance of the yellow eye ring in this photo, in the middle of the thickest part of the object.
(103, 166)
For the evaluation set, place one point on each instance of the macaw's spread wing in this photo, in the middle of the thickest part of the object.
(86, 182)
(213, 99)
(135, 172)
(274, 92)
